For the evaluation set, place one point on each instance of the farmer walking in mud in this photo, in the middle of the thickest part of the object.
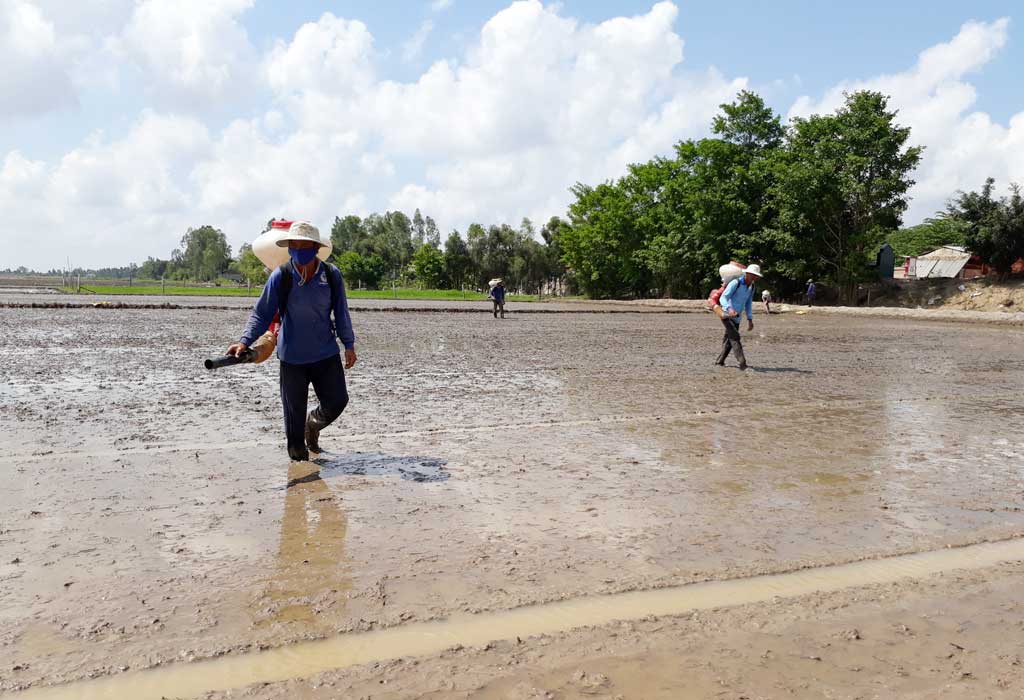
(305, 291)
(497, 295)
(737, 298)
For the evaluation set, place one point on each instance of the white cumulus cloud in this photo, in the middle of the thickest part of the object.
(539, 101)
(190, 51)
(36, 76)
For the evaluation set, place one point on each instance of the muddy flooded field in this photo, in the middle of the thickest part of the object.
(149, 517)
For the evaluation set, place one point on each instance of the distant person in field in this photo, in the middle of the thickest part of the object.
(811, 291)
(497, 296)
(737, 299)
(306, 293)
(766, 299)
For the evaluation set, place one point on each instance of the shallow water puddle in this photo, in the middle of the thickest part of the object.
(419, 639)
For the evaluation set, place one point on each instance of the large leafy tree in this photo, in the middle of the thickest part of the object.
(458, 264)
(841, 186)
(603, 243)
(204, 254)
(994, 227)
(390, 238)
(669, 223)
(347, 234)
(359, 270)
(927, 236)
(428, 264)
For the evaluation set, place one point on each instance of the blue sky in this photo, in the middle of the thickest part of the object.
(125, 121)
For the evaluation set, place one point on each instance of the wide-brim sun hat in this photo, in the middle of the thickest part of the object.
(270, 254)
(754, 269)
(301, 231)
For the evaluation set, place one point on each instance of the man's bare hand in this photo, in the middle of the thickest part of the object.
(350, 358)
(236, 349)
(750, 324)
(732, 313)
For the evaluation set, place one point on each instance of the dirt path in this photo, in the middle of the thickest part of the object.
(149, 514)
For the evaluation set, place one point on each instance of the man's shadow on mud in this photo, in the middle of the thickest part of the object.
(792, 370)
(410, 468)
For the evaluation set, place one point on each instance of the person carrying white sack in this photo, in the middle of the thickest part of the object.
(736, 299)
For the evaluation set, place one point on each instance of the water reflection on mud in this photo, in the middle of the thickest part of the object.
(310, 569)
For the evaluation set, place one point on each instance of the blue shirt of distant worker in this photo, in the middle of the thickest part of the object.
(738, 298)
(498, 297)
(308, 341)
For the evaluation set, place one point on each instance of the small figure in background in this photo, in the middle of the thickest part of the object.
(497, 295)
(766, 299)
(811, 291)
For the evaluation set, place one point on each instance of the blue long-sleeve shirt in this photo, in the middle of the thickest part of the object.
(306, 331)
(739, 297)
(498, 294)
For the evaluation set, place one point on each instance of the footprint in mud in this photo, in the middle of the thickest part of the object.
(410, 468)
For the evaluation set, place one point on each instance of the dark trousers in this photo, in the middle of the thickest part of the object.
(328, 380)
(499, 306)
(731, 342)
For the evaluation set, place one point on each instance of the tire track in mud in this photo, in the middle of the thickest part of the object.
(306, 659)
(459, 430)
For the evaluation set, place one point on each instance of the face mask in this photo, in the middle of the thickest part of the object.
(303, 256)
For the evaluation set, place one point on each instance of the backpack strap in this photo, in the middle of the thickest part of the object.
(285, 289)
(334, 278)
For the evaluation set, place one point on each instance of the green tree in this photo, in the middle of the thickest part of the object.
(603, 244)
(153, 269)
(361, 270)
(390, 238)
(458, 264)
(419, 229)
(428, 264)
(347, 234)
(204, 254)
(251, 267)
(476, 242)
(994, 227)
(926, 237)
(841, 186)
(431, 233)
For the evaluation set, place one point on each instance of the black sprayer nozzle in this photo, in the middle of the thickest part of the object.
(228, 360)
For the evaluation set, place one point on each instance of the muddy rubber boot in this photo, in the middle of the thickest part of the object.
(297, 455)
(312, 435)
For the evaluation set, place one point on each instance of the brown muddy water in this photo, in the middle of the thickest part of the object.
(149, 515)
(420, 639)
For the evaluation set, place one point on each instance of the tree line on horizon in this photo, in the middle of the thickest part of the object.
(812, 199)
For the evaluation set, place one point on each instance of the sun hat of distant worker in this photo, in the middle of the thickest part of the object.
(754, 269)
(301, 231)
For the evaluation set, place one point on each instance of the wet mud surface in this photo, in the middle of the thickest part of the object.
(149, 513)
